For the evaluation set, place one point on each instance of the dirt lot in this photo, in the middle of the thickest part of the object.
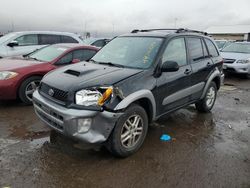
(207, 150)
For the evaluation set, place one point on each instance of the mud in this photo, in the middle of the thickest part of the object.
(207, 150)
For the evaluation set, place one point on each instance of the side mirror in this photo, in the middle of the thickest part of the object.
(12, 44)
(169, 66)
(75, 61)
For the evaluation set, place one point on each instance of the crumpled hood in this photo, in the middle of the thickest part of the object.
(13, 63)
(237, 56)
(84, 75)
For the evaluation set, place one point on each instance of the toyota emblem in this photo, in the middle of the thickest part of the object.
(51, 92)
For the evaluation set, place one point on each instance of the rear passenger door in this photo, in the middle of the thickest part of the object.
(201, 64)
(173, 88)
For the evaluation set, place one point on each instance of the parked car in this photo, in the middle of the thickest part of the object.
(223, 43)
(20, 76)
(98, 42)
(21, 43)
(133, 80)
(237, 58)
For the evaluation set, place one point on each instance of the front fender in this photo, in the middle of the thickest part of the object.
(136, 96)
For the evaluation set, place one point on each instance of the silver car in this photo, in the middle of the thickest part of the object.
(237, 58)
(21, 43)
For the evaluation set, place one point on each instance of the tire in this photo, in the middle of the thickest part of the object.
(30, 84)
(207, 103)
(128, 147)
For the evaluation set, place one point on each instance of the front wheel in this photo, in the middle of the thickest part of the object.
(129, 133)
(207, 103)
(27, 89)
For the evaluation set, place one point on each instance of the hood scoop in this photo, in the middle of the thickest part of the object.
(72, 72)
(79, 73)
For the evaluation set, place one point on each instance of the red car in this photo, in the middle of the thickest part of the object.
(20, 76)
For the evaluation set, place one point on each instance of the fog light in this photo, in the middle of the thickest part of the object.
(84, 125)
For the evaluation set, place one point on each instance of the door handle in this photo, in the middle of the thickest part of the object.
(187, 71)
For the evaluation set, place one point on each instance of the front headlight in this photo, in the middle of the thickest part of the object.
(5, 75)
(243, 61)
(93, 97)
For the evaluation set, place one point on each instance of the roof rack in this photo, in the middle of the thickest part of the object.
(180, 30)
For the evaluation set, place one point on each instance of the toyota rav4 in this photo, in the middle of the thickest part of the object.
(133, 80)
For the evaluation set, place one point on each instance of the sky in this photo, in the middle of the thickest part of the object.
(114, 17)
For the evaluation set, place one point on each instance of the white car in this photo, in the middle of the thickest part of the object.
(237, 58)
(21, 43)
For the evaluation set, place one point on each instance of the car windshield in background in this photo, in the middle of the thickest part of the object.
(48, 53)
(220, 44)
(89, 41)
(238, 48)
(133, 52)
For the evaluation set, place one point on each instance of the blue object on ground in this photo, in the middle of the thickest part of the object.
(165, 137)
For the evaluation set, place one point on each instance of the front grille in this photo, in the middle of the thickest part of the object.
(57, 93)
(49, 116)
(230, 61)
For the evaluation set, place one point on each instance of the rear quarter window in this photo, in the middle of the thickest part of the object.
(211, 48)
(68, 39)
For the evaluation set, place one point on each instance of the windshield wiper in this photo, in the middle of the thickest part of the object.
(107, 63)
(32, 58)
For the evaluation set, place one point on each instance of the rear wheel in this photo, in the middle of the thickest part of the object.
(27, 89)
(207, 103)
(129, 133)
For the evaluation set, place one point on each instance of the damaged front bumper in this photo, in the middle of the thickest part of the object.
(70, 122)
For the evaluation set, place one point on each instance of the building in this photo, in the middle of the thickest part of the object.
(233, 32)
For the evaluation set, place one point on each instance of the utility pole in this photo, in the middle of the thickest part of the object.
(175, 23)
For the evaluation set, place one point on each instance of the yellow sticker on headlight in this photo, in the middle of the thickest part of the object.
(105, 96)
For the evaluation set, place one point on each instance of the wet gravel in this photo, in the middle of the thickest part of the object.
(206, 150)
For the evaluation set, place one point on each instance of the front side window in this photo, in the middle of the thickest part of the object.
(134, 52)
(27, 40)
(195, 49)
(49, 39)
(176, 51)
(67, 59)
(48, 53)
(211, 48)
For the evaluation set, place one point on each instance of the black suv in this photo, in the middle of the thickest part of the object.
(133, 80)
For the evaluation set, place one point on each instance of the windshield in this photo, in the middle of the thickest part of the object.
(134, 52)
(48, 53)
(89, 41)
(6, 37)
(220, 44)
(238, 48)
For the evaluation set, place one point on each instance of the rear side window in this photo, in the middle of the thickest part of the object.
(211, 48)
(176, 51)
(195, 49)
(83, 55)
(68, 39)
(27, 40)
(49, 39)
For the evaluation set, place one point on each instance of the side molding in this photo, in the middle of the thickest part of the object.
(136, 96)
(211, 77)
